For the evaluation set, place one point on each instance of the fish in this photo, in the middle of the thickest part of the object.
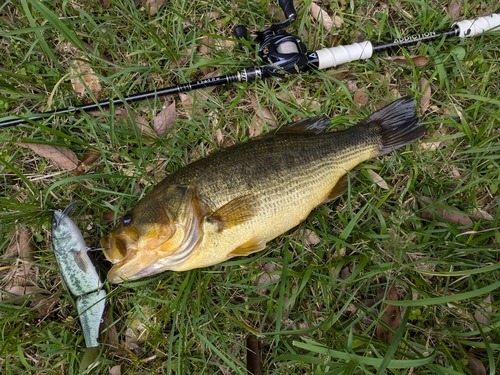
(79, 274)
(232, 202)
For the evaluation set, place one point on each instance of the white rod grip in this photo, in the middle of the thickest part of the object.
(330, 57)
(469, 28)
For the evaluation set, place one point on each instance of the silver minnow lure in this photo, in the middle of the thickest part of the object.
(79, 274)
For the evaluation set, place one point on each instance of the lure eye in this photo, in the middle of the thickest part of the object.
(127, 220)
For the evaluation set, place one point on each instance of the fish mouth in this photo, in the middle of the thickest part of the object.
(137, 257)
(120, 249)
(117, 247)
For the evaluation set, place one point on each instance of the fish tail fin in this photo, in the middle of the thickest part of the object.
(397, 124)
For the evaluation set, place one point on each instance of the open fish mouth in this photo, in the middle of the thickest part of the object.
(131, 262)
(117, 247)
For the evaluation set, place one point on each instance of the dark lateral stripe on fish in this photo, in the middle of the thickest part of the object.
(398, 124)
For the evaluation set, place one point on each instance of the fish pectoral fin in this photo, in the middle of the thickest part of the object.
(341, 186)
(234, 212)
(312, 125)
(248, 248)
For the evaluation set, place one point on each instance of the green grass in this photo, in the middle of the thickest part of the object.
(313, 316)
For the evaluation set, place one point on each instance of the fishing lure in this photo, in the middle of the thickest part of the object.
(79, 274)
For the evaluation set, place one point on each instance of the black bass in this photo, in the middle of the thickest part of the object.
(79, 274)
(232, 202)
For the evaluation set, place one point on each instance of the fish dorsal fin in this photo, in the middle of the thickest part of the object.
(311, 125)
(248, 248)
(234, 212)
(341, 186)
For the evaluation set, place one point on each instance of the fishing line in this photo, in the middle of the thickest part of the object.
(281, 53)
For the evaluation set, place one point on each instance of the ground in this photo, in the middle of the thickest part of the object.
(400, 275)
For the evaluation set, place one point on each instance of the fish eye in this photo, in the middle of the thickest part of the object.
(127, 219)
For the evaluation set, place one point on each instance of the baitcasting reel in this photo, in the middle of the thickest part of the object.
(279, 50)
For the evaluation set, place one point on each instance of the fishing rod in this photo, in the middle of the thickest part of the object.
(281, 53)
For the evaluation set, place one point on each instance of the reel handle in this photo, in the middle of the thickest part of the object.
(289, 10)
(240, 32)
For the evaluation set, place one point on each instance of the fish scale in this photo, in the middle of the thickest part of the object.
(235, 200)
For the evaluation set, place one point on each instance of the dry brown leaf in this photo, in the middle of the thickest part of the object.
(186, 99)
(475, 365)
(275, 12)
(447, 213)
(256, 126)
(22, 290)
(477, 213)
(310, 237)
(83, 75)
(108, 216)
(266, 114)
(425, 89)
(137, 329)
(485, 307)
(206, 44)
(143, 125)
(139, 121)
(323, 18)
(344, 274)
(18, 278)
(420, 60)
(184, 57)
(433, 142)
(454, 9)
(361, 97)
(154, 5)
(20, 246)
(263, 116)
(61, 156)
(88, 158)
(165, 119)
(219, 137)
(310, 105)
(378, 179)
(391, 316)
(338, 74)
(352, 85)
(415, 60)
(266, 277)
(455, 172)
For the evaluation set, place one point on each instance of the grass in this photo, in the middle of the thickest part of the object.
(312, 313)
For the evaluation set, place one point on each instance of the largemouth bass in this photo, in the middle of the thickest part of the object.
(234, 201)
